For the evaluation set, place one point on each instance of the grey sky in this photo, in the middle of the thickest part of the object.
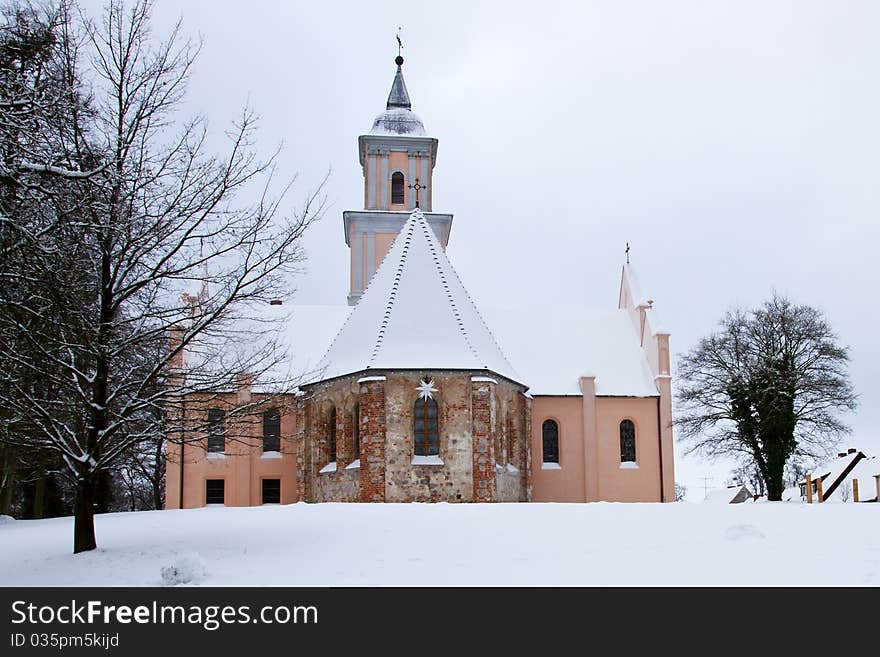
(733, 144)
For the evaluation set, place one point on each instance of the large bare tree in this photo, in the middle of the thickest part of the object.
(770, 385)
(130, 232)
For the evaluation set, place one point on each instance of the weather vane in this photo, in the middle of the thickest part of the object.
(627, 253)
(399, 42)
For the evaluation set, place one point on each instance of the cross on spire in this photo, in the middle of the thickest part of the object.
(417, 187)
(627, 253)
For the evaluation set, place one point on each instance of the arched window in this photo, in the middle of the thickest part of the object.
(627, 442)
(271, 430)
(550, 435)
(426, 433)
(331, 435)
(356, 432)
(397, 188)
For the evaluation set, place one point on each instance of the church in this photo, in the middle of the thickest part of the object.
(411, 393)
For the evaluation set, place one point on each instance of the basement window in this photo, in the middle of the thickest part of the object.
(215, 491)
(271, 491)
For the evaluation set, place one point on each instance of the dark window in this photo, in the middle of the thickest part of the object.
(550, 435)
(271, 491)
(397, 187)
(331, 435)
(216, 430)
(271, 430)
(627, 442)
(356, 433)
(426, 430)
(215, 491)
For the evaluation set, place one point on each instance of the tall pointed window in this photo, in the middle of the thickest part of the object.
(426, 432)
(397, 188)
(550, 439)
(627, 442)
(331, 435)
(271, 430)
(216, 430)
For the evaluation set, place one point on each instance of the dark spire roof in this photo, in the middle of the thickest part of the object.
(399, 97)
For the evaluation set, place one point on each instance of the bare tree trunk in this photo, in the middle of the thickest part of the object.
(84, 516)
(39, 497)
(7, 480)
(158, 476)
(6, 494)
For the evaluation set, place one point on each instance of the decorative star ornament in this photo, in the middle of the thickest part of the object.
(426, 389)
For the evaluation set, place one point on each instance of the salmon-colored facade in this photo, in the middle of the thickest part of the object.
(610, 443)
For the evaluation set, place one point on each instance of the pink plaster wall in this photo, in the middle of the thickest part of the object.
(606, 481)
(567, 483)
(243, 468)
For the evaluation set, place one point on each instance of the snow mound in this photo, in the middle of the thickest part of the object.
(186, 568)
(6, 519)
(739, 532)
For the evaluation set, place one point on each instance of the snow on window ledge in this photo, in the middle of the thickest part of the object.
(354, 465)
(271, 455)
(427, 460)
(216, 455)
(330, 467)
(551, 466)
(629, 465)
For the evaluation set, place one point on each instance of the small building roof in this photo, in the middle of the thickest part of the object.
(727, 495)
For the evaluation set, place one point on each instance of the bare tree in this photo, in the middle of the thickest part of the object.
(140, 215)
(749, 475)
(681, 492)
(768, 386)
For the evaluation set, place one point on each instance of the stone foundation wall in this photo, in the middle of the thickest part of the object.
(509, 485)
(341, 486)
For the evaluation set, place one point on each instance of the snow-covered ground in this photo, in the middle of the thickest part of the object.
(458, 544)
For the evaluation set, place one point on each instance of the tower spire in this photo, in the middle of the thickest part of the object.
(399, 96)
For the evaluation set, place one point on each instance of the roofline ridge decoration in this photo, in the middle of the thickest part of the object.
(431, 238)
(392, 297)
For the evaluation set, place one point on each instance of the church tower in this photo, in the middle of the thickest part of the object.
(397, 158)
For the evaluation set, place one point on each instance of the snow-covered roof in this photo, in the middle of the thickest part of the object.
(415, 313)
(552, 347)
(725, 495)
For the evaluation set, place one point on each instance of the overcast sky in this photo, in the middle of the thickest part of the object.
(735, 145)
